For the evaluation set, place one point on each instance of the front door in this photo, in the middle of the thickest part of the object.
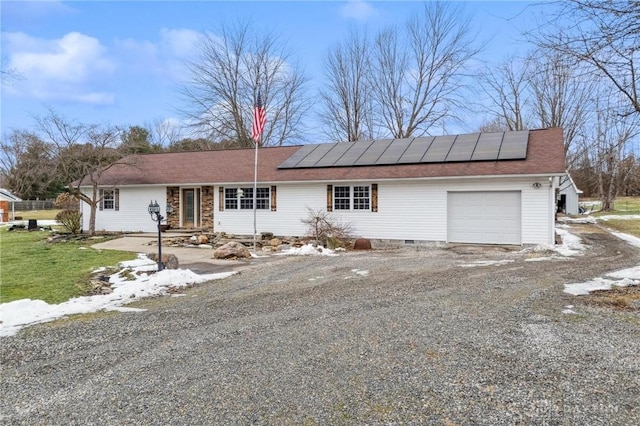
(190, 208)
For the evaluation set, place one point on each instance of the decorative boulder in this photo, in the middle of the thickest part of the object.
(266, 235)
(203, 239)
(275, 242)
(362, 244)
(231, 250)
(169, 261)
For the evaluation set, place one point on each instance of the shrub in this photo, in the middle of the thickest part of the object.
(71, 220)
(66, 201)
(325, 228)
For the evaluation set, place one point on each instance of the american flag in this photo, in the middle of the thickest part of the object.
(259, 120)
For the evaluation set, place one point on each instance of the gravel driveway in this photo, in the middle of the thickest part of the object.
(407, 336)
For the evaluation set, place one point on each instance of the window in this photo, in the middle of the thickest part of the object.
(361, 198)
(246, 200)
(348, 198)
(230, 198)
(342, 197)
(109, 199)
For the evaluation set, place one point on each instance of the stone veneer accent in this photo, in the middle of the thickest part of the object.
(174, 199)
(206, 200)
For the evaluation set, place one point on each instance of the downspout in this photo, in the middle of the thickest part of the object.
(552, 209)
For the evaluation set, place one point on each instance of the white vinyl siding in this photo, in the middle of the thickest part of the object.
(132, 215)
(406, 210)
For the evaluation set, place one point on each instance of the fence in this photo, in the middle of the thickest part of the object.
(33, 205)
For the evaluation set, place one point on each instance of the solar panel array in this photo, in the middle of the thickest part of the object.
(493, 146)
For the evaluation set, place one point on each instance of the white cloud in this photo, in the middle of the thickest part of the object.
(71, 58)
(59, 68)
(358, 9)
(179, 42)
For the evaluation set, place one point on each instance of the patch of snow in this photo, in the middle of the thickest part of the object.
(571, 244)
(619, 217)
(362, 273)
(631, 273)
(486, 263)
(582, 289)
(307, 250)
(21, 313)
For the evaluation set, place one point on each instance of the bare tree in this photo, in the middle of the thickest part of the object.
(83, 153)
(163, 133)
(27, 165)
(605, 35)
(224, 82)
(347, 114)
(611, 135)
(562, 97)
(418, 72)
(507, 88)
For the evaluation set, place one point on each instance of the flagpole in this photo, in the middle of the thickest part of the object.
(255, 190)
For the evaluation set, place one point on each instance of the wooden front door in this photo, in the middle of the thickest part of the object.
(191, 208)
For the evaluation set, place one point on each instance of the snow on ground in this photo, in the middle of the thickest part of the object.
(307, 250)
(619, 217)
(21, 313)
(621, 278)
(571, 244)
(485, 263)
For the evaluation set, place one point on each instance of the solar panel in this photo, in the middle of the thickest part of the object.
(314, 156)
(488, 146)
(416, 150)
(351, 156)
(394, 151)
(491, 146)
(514, 146)
(333, 155)
(463, 147)
(293, 161)
(371, 155)
(439, 149)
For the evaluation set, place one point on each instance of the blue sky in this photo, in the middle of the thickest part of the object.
(121, 62)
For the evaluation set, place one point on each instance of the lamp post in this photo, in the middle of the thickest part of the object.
(154, 212)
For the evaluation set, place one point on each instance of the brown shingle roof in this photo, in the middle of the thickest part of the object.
(545, 155)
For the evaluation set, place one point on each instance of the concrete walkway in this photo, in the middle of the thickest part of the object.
(199, 260)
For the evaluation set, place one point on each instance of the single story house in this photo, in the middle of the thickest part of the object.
(568, 196)
(7, 198)
(483, 188)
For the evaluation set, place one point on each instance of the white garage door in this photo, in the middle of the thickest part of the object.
(484, 217)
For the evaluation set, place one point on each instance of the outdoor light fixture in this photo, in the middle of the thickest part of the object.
(537, 185)
(154, 212)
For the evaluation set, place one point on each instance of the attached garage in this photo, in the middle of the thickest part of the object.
(486, 217)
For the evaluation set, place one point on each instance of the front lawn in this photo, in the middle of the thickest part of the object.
(36, 214)
(32, 268)
(623, 206)
(631, 227)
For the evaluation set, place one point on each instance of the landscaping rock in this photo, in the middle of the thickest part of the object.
(203, 239)
(231, 250)
(169, 261)
(275, 242)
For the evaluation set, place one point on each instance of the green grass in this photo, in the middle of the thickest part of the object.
(621, 206)
(631, 227)
(31, 268)
(36, 214)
